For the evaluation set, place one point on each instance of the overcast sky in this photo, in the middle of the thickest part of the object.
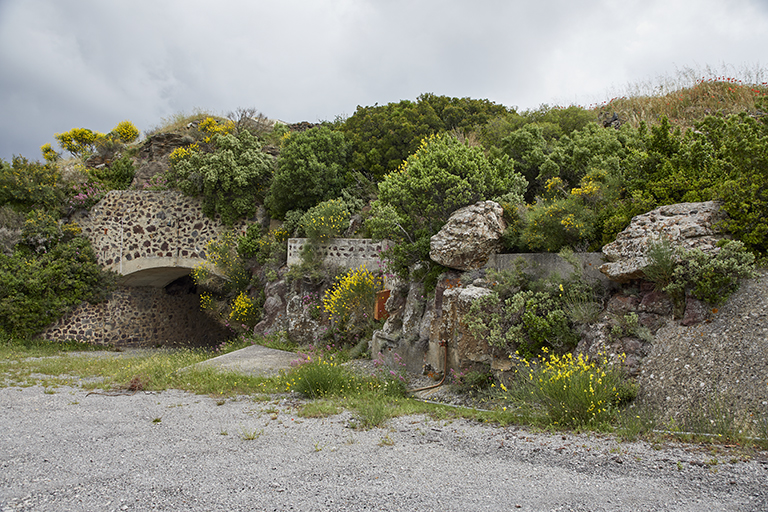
(94, 63)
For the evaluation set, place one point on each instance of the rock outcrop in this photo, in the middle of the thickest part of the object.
(153, 156)
(469, 237)
(690, 225)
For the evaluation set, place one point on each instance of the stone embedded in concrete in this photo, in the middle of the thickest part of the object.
(150, 227)
(469, 237)
(343, 252)
(140, 316)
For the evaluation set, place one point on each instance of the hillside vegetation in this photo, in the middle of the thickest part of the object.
(567, 177)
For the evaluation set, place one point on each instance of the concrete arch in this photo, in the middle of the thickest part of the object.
(155, 272)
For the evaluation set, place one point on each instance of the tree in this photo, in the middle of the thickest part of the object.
(443, 175)
(78, 141)
(311, 168)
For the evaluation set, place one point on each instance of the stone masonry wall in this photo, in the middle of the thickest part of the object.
(140, 316)
(128, 225)
(345, 252)
(139, 230)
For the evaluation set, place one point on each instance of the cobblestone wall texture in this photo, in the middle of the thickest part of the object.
(150, 227)
(127, 225)
(140, 316)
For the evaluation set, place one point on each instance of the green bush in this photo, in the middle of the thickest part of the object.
(85, 195)
(230, 180)
(573, 392)
(311, 168)
(661, 263)
(116, 176)
(325, 221)
(526, 315)
(125, 131)
(223, 261)
(742, 144)
(41, 231)
(26, 185)
(269, 250)
(321, 377)
(711, 277)
(382, 136)
(528, 321)
(38, 289)
(350, 302)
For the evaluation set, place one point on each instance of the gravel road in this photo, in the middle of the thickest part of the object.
(175, 451)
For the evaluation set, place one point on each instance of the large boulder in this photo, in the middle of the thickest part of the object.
(469, 237)
(691, 225)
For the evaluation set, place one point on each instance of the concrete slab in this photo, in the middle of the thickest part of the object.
(254, 360)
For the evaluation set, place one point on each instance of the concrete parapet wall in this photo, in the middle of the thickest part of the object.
(544, 264)
(344, 252)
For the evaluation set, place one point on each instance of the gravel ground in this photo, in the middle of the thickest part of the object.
(174, 451)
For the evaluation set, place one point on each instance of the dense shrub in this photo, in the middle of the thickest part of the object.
(525, 315)
(312, 167)
(118, 175)
(125, 131)
(711, 277)
(325, 221)
(383, 136)
(350, 301)
(37, 289)
(223, 261)
(229, 180)
(742, 149)
(269, 249)
(85, 195)
(226, 279)
(26, 185)
(572, 391)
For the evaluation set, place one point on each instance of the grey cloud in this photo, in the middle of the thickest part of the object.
(94, 63)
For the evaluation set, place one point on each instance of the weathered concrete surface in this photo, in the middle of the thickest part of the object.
(254, 360)
(344, 252)
(545, 264)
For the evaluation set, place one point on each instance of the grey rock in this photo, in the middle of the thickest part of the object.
(469, 237)
(691, 225)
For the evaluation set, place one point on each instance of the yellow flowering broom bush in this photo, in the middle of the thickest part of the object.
(572, 391)
(350, 301)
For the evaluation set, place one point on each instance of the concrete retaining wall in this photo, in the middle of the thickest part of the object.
(544, 264)
(344, 252)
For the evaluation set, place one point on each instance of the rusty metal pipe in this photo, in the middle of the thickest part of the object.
(445, 372)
